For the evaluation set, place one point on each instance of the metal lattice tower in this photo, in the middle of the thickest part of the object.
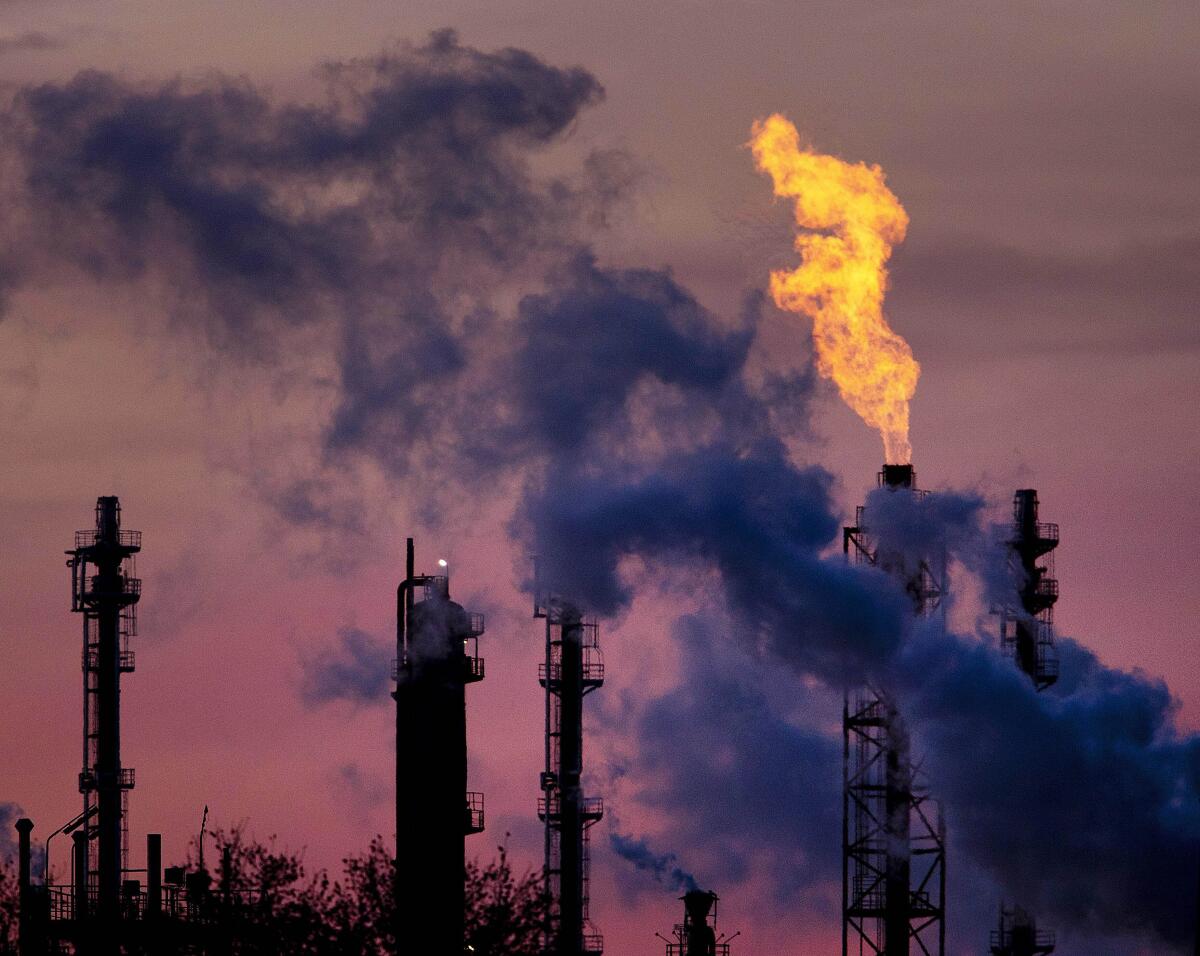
(697, 934)
(573, 668)
(105, 591)
(893, 835)
(1018, 935)
(437, 656)
(1027, 629)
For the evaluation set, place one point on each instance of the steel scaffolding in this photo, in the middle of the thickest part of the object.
(105, 591)
(573, 668)
(893, 835)
(1027, 625)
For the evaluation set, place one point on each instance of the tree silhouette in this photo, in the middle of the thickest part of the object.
(262, 901)
(505, 913)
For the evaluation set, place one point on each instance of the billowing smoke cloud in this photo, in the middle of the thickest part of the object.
(751, 514)
(590, 341)
(383, 219)
(356, 670)
(747, 785)
(663, 867)
(1083, 802)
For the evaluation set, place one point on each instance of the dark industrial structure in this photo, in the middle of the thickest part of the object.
(1027, 630)
(105, 591)
(178, 911)
(437, 656)
(1027, 633)
(105, 909)
(893, 836)
(573, 668)
(697, 934)
(1018, 934)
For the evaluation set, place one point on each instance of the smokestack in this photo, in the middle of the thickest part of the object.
(153, 875)
(697, 934)
(25, 917)
(700, 938)
(697, 904)
(897, 476)
(24, 828)
(79, 851)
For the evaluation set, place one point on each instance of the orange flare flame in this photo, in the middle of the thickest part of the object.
(842, 276)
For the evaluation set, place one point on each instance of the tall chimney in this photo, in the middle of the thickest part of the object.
(25, 917)
(153, 875)
(897, 476)
(699, 938)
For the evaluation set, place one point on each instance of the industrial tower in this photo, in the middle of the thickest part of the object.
(697, 934)
(573, 668)
(1027, 633)
(893, 836)
(437, 656)
(1027, 630)
(105, 591)
(1018, 935)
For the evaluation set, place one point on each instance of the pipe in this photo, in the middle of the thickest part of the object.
(24, 828)
(79, 858)
(153, 875)
(24, 895)
(404, 604)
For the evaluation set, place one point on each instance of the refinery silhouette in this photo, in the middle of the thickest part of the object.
(895, 843)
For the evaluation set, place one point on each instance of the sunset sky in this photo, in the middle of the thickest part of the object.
(280, 393)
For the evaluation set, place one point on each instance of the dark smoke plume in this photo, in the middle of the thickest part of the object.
(663, 867)
(1083, 802)
(741, 779)
(385, 217)
(357, 670)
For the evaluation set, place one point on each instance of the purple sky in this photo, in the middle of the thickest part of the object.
(1048, 155)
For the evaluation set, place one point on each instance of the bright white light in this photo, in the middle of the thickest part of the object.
(441, 562)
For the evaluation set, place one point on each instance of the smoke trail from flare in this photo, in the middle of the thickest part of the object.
(842, 277)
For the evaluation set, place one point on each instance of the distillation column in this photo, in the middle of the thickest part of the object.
(572, 669)
(437, 656)
(105, 591)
